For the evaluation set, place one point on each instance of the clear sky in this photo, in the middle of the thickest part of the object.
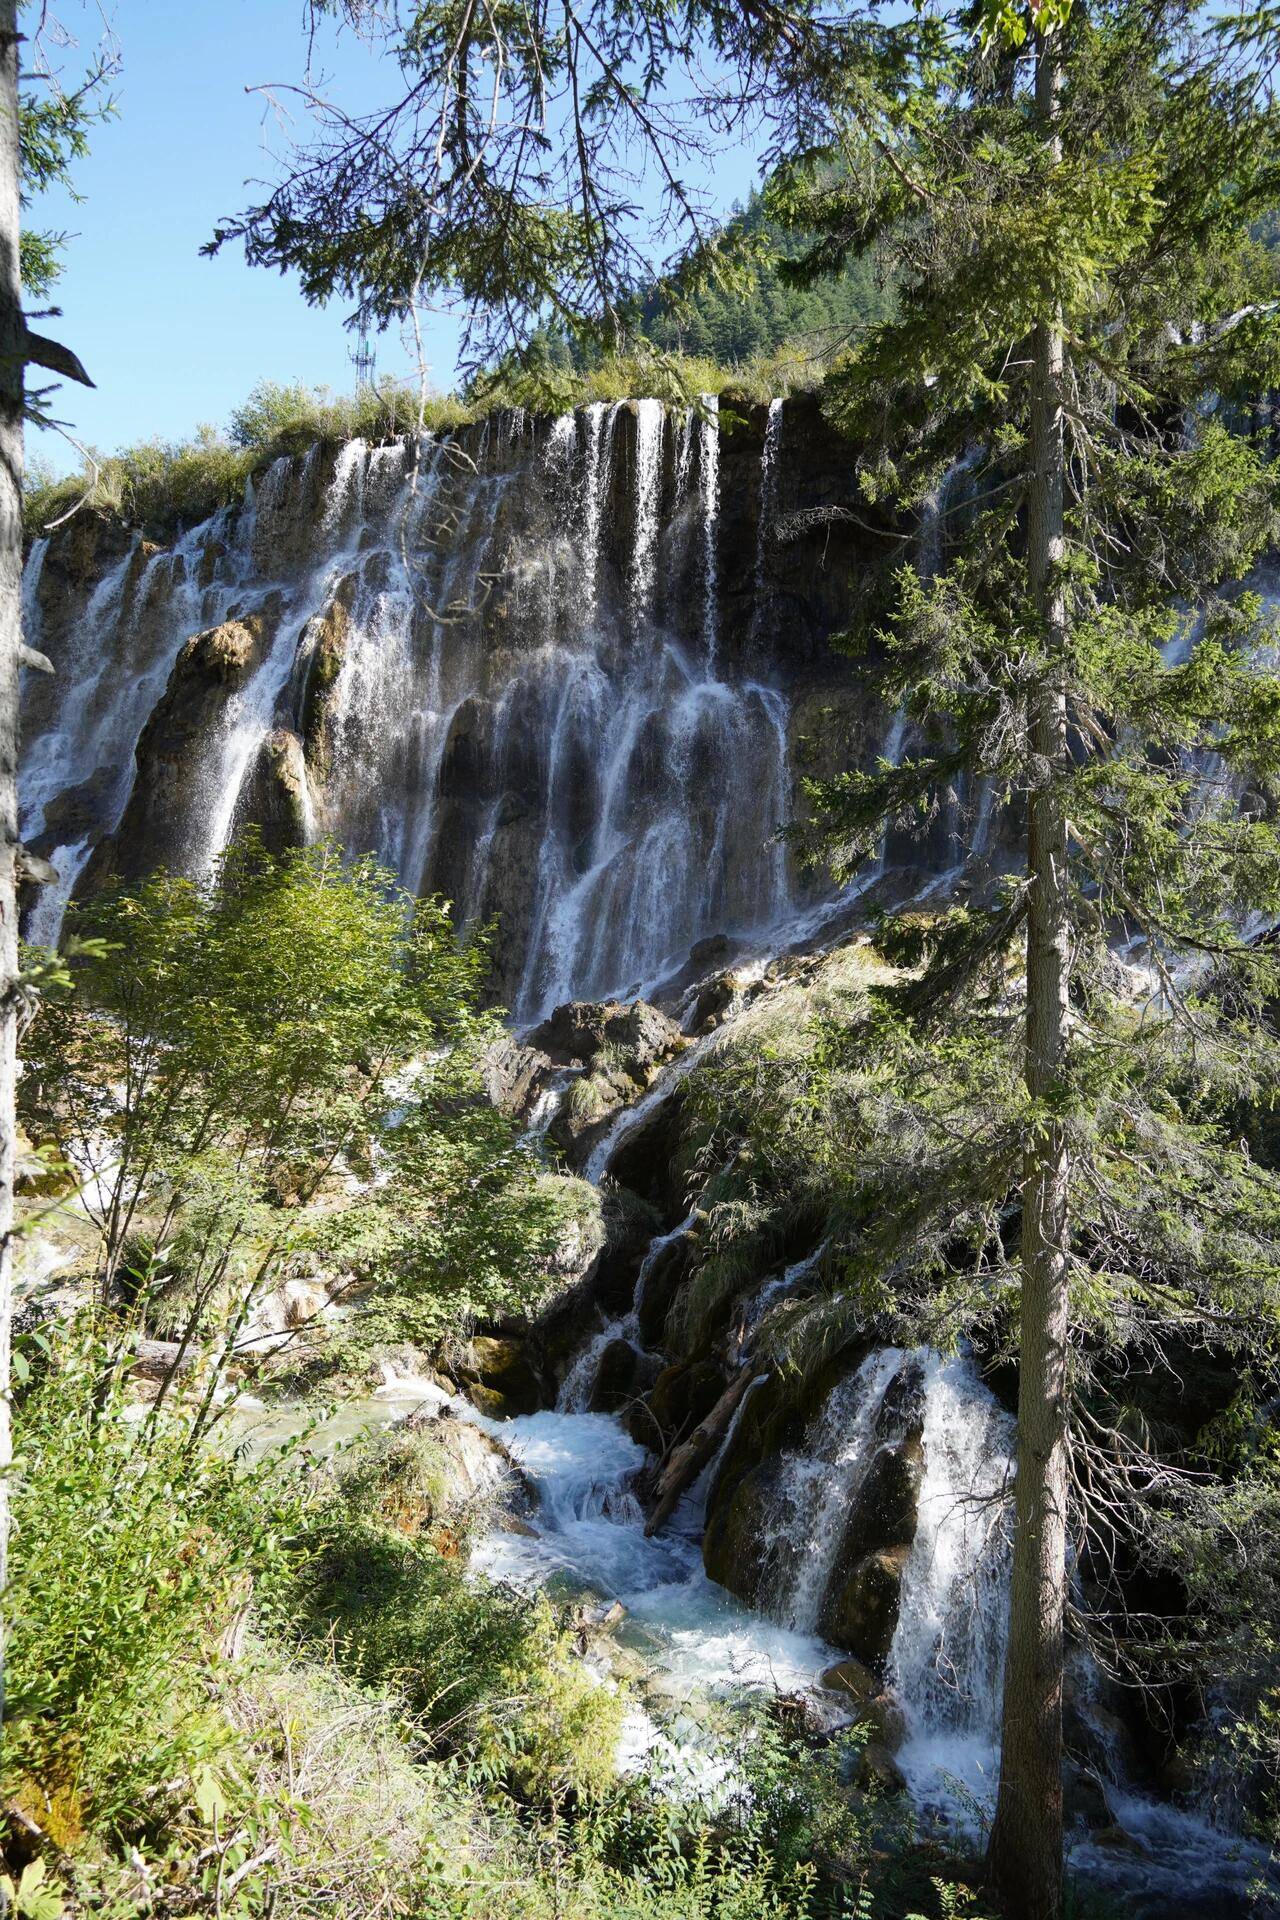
(170, 339)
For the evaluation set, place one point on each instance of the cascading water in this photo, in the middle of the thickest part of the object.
(947, 1659)
(498, 659)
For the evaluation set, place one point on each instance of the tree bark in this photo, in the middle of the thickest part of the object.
(1026, 1839)
(12, 333)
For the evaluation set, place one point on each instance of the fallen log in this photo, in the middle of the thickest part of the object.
(686, 1461)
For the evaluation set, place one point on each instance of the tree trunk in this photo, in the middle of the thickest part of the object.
(1026, 1839)
(686, 1462)
(11, 371)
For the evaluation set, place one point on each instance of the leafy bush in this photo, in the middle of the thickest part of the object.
(485, 1672)
(276, 1074)
(290, 418)
(134, 1548)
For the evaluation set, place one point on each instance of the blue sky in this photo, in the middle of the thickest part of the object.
(170, 339)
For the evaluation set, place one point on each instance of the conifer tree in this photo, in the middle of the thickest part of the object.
(1082, 298)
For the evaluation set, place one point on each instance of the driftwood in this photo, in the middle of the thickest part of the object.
(685, 1462)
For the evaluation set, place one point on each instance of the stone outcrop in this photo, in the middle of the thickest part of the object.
(498, 1375)
(175, 753)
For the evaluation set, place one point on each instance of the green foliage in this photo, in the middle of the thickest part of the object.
(289, 419)
(276, 1074)
(161, 485)
(392, 1734)
(134, 1547)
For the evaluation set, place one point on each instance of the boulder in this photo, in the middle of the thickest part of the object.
(853, 1681)
(637, 1036)
(498, 1376)
(647, 1157)
(515, 1075)
(860, 1611)
(624, 1373)
(276, 794)
(589, 1104)
(739, 1550)
(682, 1395)
(877, 1772)
(630, 1225)
(475, 1465)
(884, 1509)
(868, 1702)
(663, 1279)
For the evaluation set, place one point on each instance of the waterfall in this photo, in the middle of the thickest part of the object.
(599, 449)
(946, 1659)
(768, 500)
(650, 422)
(709, 445)
(438, 622)
(575, 1391)
(946, 1663)
(819, 1485)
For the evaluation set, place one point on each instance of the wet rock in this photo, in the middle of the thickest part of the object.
(647, 1158)
(705, 953)
(739, 1550)
(590, 1102)
(1117, 1840)
(275, 795)
(624, 1373)
(853, 1679)
(491, 1403)
(884, 1511)
(472, 1464)
(877, 1772)
(630, 1225)
(682, 1395)
(493, 1367)
(861, 1608)
(663, 1279)
(868, 1701)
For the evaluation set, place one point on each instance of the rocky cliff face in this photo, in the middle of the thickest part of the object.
(566, 672)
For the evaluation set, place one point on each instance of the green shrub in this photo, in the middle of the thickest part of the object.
(485, 1672)
(228, 1054)
(163, 485)
(134, 1547)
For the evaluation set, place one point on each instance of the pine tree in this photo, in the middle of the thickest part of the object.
(1079, 281)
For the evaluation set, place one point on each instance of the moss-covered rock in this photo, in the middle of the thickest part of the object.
(624, 1373)
(681, 1396)
(496, 1364)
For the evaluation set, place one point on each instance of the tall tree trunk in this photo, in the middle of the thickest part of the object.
(1026, 1839)
(12, 334)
